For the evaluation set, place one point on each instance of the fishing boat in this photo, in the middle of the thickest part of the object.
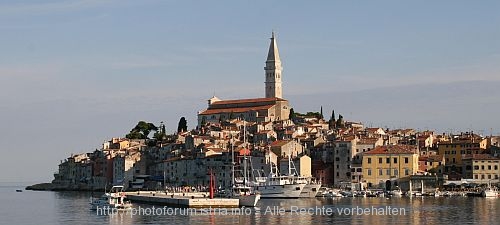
(114, 199)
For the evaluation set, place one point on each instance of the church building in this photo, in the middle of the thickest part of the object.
(271, 108)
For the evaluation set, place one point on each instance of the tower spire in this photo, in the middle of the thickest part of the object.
(273, 70)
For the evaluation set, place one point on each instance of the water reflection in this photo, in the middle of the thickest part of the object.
(73, 208)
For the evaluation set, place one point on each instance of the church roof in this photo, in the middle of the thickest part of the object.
(249, 100)
(273, 54)
(235, 109)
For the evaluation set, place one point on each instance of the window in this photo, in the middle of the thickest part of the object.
(489, 167)
(380, 172)
(388, 172)
(406, 159)
(380, 160)
(369, 172)
(407, 172)
(476, 167)
(395, 172)
(475, 177)
(369, 160)
(388, 160)
(395, 160)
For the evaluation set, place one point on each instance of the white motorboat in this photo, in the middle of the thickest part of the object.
(114, 199)
(396, 193)
(489, 192)
(360, 194)
(333, 194)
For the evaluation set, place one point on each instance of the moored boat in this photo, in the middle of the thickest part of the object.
(114, 199)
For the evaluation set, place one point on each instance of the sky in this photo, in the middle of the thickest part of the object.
(76, 73)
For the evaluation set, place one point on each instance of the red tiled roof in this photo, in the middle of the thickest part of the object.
(393, 149)
(431, 158)
(244, 151)
(481, 157)
(249, 100)
(279, 143)
(235, 110)
(373, 129)
(476, 141)
(368, 141)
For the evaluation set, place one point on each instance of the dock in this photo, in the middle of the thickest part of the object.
(187, 200)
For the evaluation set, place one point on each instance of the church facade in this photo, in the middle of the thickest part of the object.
(270, 108)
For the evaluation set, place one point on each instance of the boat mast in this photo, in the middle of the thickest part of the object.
(289, 162)
(244, 153)
(232, 162)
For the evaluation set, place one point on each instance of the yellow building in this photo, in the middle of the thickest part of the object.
(482, 168)
(389, 163)
(453, 152)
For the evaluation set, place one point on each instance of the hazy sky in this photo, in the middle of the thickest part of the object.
(75, 73)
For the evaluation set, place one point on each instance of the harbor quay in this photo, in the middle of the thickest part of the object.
(187, 200)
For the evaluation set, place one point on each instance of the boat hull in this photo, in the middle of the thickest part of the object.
(489, 194)
(310, 191)
(249, 200)
(280, 191)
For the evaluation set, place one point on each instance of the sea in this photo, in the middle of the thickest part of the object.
(47, 207)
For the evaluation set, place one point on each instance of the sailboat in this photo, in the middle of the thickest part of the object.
(246, 194)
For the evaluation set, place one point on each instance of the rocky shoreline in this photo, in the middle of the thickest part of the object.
(60, 187)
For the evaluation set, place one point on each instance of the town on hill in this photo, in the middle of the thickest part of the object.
(335, 151)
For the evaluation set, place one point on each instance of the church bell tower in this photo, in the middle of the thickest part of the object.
(273, 71)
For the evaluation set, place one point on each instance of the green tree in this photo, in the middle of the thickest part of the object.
(203, 121)
(141, 130)
(340, 122)
(321, 113)
(292, 114)
(182, 126)
(331, 122)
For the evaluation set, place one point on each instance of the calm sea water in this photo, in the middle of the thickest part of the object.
(35, 207)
